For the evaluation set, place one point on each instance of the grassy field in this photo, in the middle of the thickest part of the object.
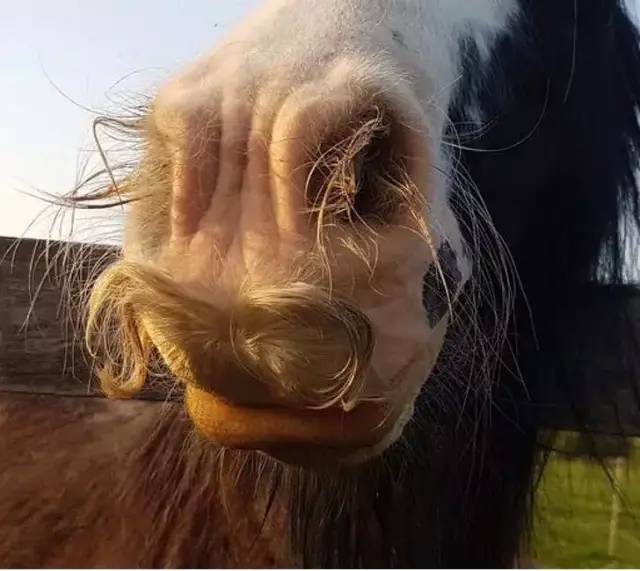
(575, 510)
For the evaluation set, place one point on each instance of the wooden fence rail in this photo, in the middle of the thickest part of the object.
(38, 353)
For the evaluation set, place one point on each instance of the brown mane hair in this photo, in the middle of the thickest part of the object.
(139, 488)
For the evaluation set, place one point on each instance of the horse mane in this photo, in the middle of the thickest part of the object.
(557, 165)
(575, 179)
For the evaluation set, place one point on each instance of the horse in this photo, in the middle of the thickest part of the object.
(362, 239)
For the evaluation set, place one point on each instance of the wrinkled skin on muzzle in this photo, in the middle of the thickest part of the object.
(291, 255)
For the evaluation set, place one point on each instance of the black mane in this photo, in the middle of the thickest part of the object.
(557, 167)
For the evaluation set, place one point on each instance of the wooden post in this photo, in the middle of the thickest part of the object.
(41, 351)
(619, 474)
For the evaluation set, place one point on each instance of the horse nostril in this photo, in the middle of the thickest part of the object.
(372, 165)
(359, 172)
(353, 158)
(355, 169)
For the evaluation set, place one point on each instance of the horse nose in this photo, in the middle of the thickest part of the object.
(322, 153)
(257, 328)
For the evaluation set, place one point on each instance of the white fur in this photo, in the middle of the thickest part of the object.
(287, 43)
(299, 35)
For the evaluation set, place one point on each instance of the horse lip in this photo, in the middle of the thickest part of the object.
(283, 431)
(273, 428)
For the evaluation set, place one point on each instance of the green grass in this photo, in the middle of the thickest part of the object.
(574, 513)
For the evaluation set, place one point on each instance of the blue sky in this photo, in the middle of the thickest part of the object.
(82, 48)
